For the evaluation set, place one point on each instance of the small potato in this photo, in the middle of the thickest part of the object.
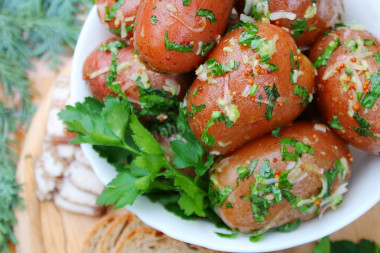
(119, 19)
(305, 19)
(348, 86)
(274, 181)
(131, 73)
(242, 93)
(173, 37)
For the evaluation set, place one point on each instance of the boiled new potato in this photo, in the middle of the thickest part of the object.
(306, 19)
(274, 181)
(176, 36)
(348, 86)
(242, 93)
(131, 73)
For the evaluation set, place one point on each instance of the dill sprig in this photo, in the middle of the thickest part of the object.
(43, 29)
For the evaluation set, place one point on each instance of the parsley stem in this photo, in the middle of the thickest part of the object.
(125, 146)
(170, 152)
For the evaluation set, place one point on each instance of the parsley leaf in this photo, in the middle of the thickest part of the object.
(272, 94)
(120, 191)
(299, 27)
(284, 181)
(110, 14)
(189, 152)
(289, 227)
(364, 126)
(335, 123)
(207, 47)
(153, 19)
(169, 45)
(209, 14)
(370, 99)
(324, 58)
(377, 56)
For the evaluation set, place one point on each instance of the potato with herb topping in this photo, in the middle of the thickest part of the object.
(306, 19)
(118, 16)
(274, 181)
(132, 74)
(255, 80)
(348, 85)
(176, 36)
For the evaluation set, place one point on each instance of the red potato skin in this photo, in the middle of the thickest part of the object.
(149, 38)
(99, 60)
(327, 148)
(331, 98)
(327, 16)
(129, 10)
(252, 122)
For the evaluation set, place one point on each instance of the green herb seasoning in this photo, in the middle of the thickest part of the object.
(335, 123)
(324, 58)
(169, 45)
(209, 14)
(299, 27)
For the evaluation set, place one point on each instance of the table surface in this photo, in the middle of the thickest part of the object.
(366, 226)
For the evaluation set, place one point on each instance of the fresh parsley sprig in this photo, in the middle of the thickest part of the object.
(113, 123)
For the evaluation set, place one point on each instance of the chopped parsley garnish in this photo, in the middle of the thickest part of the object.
(289, 227)
(368, 42)
(299, 149)
(207, 47)
(348, 71)
(283, 180)
(272, 94)
(276, 132)
(195, 110)
(207, 14)
(264, 48)
(377, 56)
(153, 19)
(245, 172)
(301, 92)
(324, 58)
(110, 14)
(299, 27)
(195, 92)
(364, 126)
(335, 123)
(233, 234)
(217, 69)
(128, 28)
(258, 192)
(219, 195)
(249, 34)
(352, 45)
(216, 116)
(169, 45)
(291, 67)
(370, 99)
(186, 2)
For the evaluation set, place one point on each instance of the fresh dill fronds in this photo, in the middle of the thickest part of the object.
(43, 29)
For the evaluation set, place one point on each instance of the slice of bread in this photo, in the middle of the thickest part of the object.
(149, 240)
(92, 242)
(118, 229)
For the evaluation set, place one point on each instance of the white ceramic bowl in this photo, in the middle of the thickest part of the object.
(364, 190)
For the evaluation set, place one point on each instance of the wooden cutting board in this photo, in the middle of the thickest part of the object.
(42, 227)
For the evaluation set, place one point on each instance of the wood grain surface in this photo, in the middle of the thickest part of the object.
(42, 227)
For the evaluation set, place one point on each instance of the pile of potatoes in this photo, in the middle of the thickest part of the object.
(253, 79)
